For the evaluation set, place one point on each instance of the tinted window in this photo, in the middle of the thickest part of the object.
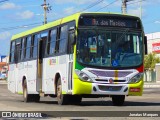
(63, 39)
(12, 51)
(51, 42)
(28, 47)
(22, 48)
(35, 44)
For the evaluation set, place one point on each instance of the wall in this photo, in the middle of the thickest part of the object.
(153, 45)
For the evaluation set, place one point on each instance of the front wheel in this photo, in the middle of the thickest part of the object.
(118, 100)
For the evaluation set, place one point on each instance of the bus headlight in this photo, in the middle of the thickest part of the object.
(83, 76)
(136, 78)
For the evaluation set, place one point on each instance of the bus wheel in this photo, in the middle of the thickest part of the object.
(26, 97)
(118, 100)
(62, 99)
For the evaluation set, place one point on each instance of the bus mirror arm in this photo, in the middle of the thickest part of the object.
(145, 44)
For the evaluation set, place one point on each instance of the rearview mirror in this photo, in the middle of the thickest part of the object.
(145, 44)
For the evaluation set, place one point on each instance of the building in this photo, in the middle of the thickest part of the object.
(153, 43)
(2, 57)
(3, 66)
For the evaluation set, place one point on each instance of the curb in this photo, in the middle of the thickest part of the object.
(152, 86)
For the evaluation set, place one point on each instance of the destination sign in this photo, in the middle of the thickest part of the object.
(110, 22)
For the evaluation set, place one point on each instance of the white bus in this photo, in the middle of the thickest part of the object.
(82, 55)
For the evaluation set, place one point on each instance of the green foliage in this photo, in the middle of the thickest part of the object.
(150, 61)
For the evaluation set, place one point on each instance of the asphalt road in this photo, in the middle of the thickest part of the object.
(150, 101)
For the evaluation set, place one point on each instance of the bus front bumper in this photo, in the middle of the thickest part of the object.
(80, 88)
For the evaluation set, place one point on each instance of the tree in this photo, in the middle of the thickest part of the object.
(150, 61)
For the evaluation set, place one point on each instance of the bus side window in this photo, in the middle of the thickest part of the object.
(20, 51)
(17, 50)
(22, 48)
(51, 42)
(63, 39)
(28, 47)
(34, 46)
(12, 52)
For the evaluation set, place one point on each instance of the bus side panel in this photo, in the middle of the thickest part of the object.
(52, 66)
(48, 76)
(22, 74)
(11, 78)
(31, 68)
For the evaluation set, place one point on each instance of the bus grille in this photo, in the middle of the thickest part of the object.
(110, 88)
(106, 81)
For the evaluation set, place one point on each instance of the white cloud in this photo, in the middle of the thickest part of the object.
(25, 15)
(5, 35)
(8, 5)
(157, 22)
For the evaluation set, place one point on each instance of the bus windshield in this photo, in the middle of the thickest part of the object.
(109, 48)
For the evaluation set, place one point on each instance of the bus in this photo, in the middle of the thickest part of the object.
(84, 55)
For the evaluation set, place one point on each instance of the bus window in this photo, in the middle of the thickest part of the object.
(17, 50)
(35, 44)
(25, 45)
(63, 39)
(20, 51)
(22, 48)
(12, 52)
(51, 42)
(28, 47)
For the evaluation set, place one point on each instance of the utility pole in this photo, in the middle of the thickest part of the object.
(46, 8)
(141, 9)
(124, 6)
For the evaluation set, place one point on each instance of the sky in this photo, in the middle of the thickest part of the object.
(20, 15)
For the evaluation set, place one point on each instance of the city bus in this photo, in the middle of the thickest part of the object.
(84, 55)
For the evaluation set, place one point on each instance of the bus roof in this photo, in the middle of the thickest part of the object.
(58, 22)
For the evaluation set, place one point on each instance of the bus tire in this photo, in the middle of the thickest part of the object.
(118, 100)
(61, 99)
(26, 97)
